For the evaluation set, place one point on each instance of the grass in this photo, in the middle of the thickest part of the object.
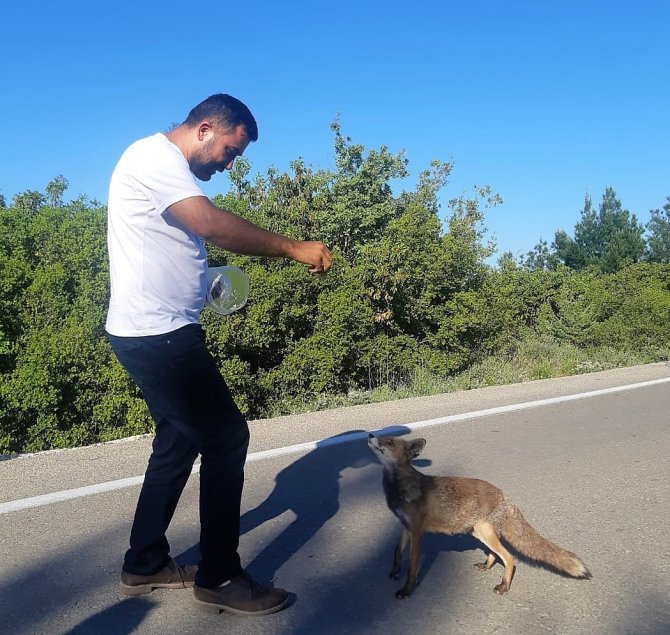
(535, 357)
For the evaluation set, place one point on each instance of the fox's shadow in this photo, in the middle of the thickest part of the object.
(435, 544)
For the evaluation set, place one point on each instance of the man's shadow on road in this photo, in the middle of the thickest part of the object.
(309, 488)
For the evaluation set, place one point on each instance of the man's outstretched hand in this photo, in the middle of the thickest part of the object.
(313, 253)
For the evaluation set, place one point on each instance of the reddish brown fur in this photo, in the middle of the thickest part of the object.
(457, 505)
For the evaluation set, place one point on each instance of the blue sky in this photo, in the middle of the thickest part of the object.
(543, 100)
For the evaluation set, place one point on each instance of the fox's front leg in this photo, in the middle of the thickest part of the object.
(397, 555)
(414, 556)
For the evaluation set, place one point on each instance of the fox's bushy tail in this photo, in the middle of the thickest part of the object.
(521, 535)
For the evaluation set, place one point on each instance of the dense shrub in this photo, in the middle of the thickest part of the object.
(409, 301)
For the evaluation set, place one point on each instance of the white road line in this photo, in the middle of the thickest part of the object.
(56, 497)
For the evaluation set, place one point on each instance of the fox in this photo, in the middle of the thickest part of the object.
(458, 505)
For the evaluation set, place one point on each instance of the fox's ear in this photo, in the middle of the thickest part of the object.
(417, 446)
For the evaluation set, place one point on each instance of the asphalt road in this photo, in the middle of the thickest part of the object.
(590, 473)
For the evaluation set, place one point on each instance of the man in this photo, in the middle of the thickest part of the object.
(158, 221)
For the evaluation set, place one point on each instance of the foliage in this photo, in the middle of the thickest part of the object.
(410, 301)
(542, 257)
(610, 238)
(659, 234)
(60, 386)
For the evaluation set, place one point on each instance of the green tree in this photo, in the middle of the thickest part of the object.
(396, 266)
(55, 190)
(361, 202)
(59, 383)
(659, 234)
(542, 257)
(610, 238)
(29, 201)
(506, 262)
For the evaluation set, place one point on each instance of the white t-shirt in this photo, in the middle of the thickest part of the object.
(158, 267)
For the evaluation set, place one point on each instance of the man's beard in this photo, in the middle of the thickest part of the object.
(202, 165)
(201, 171)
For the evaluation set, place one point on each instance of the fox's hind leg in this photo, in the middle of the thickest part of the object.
(486, 532)
(490, 561)
(397, 556)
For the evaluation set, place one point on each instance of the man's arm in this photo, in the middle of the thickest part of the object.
(233, 233)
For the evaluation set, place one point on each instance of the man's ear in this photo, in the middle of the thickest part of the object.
(204, 130)
(416, 447)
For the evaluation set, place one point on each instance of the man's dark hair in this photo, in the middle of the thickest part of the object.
(225, 111)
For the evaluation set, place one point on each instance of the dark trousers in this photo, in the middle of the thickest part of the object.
(194, 414)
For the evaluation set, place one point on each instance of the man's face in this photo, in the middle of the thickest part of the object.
(217, 150)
